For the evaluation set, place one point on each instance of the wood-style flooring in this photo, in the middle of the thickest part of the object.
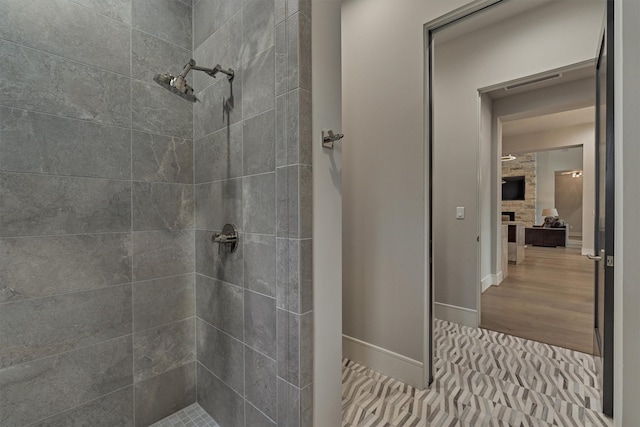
(548, 297)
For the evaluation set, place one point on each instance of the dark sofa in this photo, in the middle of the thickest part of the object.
(543, 236)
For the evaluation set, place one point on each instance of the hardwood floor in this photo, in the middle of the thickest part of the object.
(547, 298)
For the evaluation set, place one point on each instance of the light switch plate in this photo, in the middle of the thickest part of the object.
(460, 212)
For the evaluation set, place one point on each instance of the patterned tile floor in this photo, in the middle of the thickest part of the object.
(482, 378)
(191, 416)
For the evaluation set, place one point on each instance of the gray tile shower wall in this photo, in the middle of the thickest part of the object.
(252, 144)
(97, 240)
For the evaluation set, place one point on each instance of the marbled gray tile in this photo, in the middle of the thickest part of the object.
(218, 399)
(294, 275)
(169, 20)
(157, 110)
(282, 157)
(258, 84)
(306, 405)
(260, 323)
(162, 301)
(258, 27)
(305, 200)
(222, 354)
(298, 127)
(162, 206)
(288, 405)
(302, 6)
(76, 92)
(209, 16)
(40, 143)
(295, 347)
(299, 51)
(260, 263)
(287, 221)
(223, 47)
(47, 265)
(255, 418)
(116, 9)
(306, 349)
(162, 253)
(282, 68)
(219, 203)
(162, 349)
(220, 305)
(68, 30)
(259, 202)
(280, 11)
(305, 128)
(114, 409)
(218, 263)
(219, 106)
(162, 395)
(288, 346)
(40, 204)
(32, 391)
(162, 158)
(260, 382)
(294, 196)
(295, 406)
(218, 155)
(151, 56)
(41, 327)
(258, 144)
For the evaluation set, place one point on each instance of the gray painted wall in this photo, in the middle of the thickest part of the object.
(96, 214)
(253, 169)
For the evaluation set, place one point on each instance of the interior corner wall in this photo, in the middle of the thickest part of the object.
(551, 37)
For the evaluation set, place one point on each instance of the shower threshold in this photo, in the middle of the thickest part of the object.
(191, 416)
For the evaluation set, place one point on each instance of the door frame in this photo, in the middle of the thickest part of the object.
(606, 347)
(429, 30)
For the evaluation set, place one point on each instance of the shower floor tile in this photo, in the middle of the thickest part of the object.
(191, 416)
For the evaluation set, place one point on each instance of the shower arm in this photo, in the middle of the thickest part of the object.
(215, 70)
(191, 65)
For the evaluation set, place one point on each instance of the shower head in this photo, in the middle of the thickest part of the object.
(179, 86)
(176, 85)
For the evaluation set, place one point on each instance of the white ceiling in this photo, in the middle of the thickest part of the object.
(549, 121)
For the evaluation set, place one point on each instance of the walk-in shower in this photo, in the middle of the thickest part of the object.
(179, 85)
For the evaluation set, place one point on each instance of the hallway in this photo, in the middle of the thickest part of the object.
(482, 378)
(548, 297)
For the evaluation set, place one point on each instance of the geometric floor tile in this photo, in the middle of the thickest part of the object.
(191, 416)
(482, 378)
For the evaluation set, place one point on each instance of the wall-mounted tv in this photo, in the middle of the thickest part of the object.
(513, 188)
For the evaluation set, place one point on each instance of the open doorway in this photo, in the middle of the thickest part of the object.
(545, 291)
(475, 58)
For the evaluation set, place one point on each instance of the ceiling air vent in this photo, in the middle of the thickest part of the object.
(530, 82)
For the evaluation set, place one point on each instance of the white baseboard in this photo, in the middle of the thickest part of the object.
(380, 359)
(587, 251)
(492, 280)
(452, 313)
(486, 283)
